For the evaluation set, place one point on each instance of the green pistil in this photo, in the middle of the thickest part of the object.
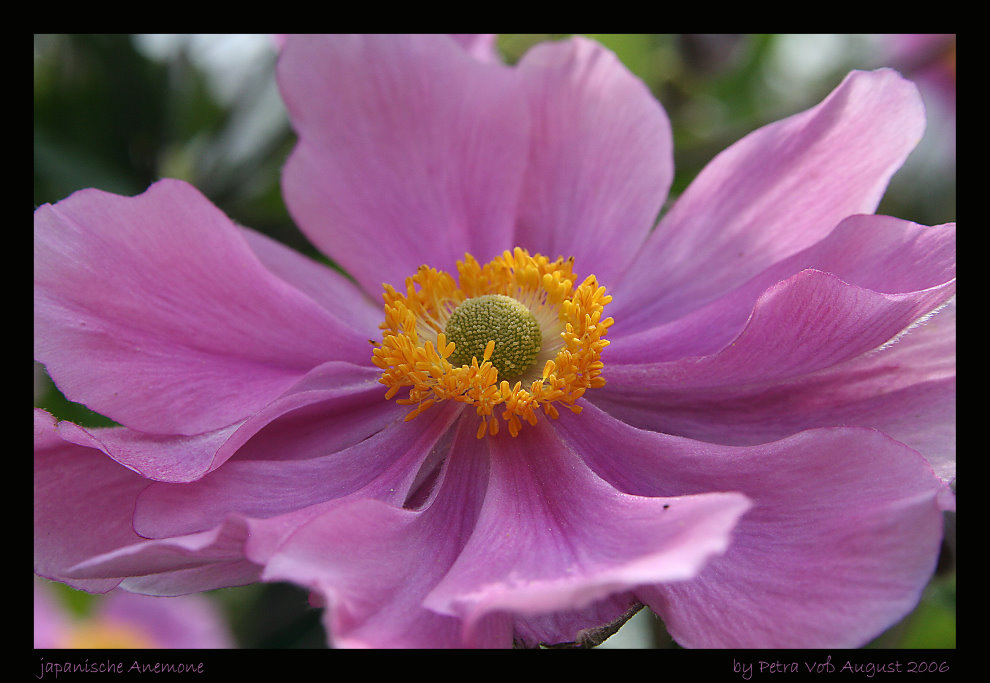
(500, 318)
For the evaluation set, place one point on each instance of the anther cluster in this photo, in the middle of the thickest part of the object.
(498, 318)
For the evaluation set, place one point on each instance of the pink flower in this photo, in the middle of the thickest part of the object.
(125, 620)
(752, 456)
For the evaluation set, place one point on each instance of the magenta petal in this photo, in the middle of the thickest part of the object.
(338, 295)
(381, 466)
(78, 490)
(601, 160)
(161, 458)
(806, 323)
(178, 565)
(773, 193)
(553, 536)
(363, 557)
(346, 401)
(842, 537)
(814, 350)
(919, 405)
(83, 533)
(222, 572)
(906, 389)
(410, 152)
(374, 563)
(154, 311)
(334, 406)
(879, 253)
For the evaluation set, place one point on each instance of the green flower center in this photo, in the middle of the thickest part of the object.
(498, 318)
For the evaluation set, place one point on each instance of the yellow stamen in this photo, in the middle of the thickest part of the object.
(416, 348)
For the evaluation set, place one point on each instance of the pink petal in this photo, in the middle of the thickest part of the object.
(157, 457)
(779, 374)
(334, 406)
(346, 401)
(366, 558)
(842, 537)
(324, 285)
(552, 536)
(806, 323)
(382, 466)
(82, 505)
(178, 565)
(410, 152)
(200, 577)
(906, 389)
(374, 563)
(923, 413)
(175, 327)
(773, 193)
(83, 534)
(879, 253)
(601, 158)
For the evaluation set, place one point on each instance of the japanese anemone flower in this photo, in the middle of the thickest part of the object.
(561, 411)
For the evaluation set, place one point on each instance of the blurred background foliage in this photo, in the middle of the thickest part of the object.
(118, 112)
